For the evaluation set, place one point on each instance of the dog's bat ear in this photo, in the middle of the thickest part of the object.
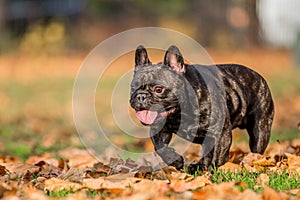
(174, 59)
(141, 56)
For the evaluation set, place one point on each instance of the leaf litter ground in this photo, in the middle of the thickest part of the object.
(75, 174)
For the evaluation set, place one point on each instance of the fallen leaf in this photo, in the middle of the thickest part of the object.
(20, 169)
(2, 170)
(120, 177)
(248, 195)
(226, 190)
(181, 185)
(293, 161)
(266, 161)
(56, 185)
(149, 189)
(9, 159)
(74, 174)
(78, 158)
(103, 183)
(237, 154)
(33, 194)
(2, 190)
(180, 176)
(46, 158)
(229, 166)
(249, 159)
(263, 180)
(40, 183)
(294, 192)
(271, 194)
(170, 169)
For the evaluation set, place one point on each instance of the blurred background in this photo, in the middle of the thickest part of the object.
(44, 42)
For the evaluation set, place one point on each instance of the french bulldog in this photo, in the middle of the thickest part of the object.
(201, 104)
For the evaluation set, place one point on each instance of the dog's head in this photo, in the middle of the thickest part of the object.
(157, 89)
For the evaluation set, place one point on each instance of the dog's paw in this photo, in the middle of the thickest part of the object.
(178, 164)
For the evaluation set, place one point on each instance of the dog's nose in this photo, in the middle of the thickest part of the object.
(141, 98)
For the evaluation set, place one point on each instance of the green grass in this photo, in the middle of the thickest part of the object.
(95, 193)
(278, 181)
(60, 194)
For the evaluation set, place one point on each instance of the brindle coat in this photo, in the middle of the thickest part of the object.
(202, 104)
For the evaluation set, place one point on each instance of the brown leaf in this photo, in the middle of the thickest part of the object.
(266, 161)
(294, 192)
(56, 185)
(229, 166)
(250, 158)
(104, 183)
(74, 175)
(99, 170)
(181, 185)
(40, 183)
(248, 195)
(270, 194)
(180, 176)
(2, 170)
(226, 190)
(9, 159)
(33, 194)
(78, 158)
(237, 154)
(2, 190)
(169, 169)
(46, 158)
(248, 161)
(293, 163)
(144, 172)
(147, 189)
(20, 169)
(263, 180)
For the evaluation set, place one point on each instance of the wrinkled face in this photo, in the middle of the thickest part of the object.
(155, 91)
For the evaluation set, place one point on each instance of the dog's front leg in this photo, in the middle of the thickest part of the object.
(161, 140)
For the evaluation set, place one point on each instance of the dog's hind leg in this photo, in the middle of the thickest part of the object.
(259, 128)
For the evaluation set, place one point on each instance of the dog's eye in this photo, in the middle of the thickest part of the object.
(159, 89)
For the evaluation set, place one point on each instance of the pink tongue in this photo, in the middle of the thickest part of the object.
(146, 116)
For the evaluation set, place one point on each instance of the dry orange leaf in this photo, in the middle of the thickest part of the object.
(254, 161)
(104, 183)
(264, 162)
(271, 194)
(226, 190)
(79, 158)
(170, 169)
(248, 195)
(229, 166)
(293, 161)
(250, 158)
(263, 180)
(34, 194)
(21, 168)
(150, 189)
(56, 185)
(2, 170)
(181, 185)
(180, 176)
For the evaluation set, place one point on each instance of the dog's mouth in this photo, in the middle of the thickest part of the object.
(148, 117)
